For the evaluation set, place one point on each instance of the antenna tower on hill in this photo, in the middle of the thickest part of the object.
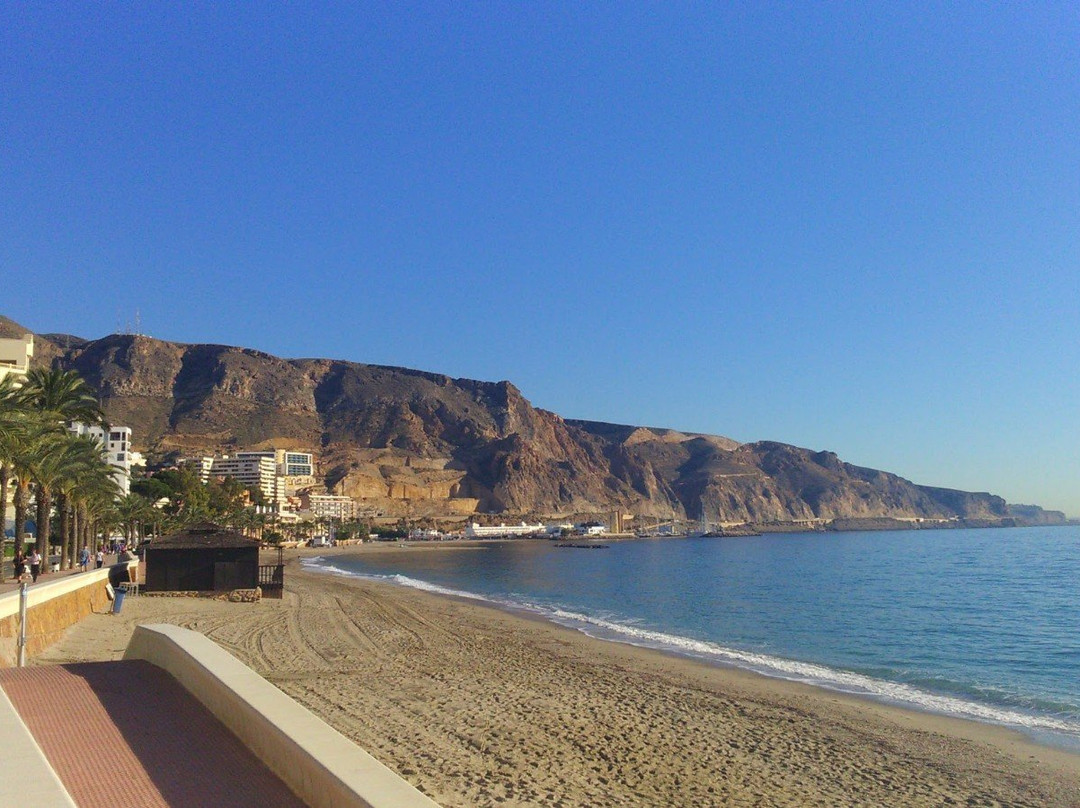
(130, 329)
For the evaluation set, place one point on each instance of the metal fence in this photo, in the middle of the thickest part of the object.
(272, 580)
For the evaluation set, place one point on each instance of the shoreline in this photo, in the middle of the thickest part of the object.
(477, 705)
(1055, 740)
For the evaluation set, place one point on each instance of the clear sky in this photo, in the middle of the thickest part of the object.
(851, 227)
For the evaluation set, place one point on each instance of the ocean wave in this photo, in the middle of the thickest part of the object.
(416, 583)
(319, 564)
(628, 630)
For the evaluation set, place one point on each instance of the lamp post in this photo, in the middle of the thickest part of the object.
(22, 620)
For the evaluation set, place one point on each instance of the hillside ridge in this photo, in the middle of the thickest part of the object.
(418, 443)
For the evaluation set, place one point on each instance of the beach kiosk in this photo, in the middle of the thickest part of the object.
(202, 557)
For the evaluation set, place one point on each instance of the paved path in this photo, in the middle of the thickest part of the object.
(127, 734)
(8, 583)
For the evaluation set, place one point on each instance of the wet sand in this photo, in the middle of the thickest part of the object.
(478, 707)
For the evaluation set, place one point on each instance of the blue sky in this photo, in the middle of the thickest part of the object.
(851, 227)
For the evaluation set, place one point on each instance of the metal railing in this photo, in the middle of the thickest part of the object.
(272, 580)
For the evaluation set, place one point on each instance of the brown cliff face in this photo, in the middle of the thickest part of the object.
(195, 397)
(454, 445)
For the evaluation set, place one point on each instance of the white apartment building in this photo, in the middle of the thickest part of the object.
(200, 465)
(296, 464)
(329, 506)
(117, 444)
(297, 469)
(277, 473)
(15, 355)
(253, 470)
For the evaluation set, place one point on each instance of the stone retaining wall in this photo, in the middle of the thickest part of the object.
(234, 596)
(51, 608)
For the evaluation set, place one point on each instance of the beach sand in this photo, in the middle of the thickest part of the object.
(477, 707)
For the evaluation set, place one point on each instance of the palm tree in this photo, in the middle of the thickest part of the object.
(34, 440)
(60, 396)
(93, 494)
(13, 412)
(94, 507)
(133, 510)
(53, 453)
(64, 395)
(85, 470)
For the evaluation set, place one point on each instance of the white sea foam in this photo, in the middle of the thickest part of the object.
(627, 631)
(319, 564)
(809, 673)
(415, 583)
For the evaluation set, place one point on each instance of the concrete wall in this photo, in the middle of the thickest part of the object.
(322, 766)
(51, 608)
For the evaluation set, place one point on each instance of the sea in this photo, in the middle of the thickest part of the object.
(982, 624)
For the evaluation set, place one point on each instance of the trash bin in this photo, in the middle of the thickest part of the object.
(118, 598)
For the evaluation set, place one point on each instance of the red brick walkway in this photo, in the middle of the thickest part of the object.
(126, 734)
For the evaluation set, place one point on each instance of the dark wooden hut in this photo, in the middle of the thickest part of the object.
(202, 557)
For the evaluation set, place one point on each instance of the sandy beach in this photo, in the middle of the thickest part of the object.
(478, 707)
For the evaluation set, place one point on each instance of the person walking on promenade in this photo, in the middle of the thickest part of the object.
(20, 564)
(100, 558)
(84, 558)
(35, 564)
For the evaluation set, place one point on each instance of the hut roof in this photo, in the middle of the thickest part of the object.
(203, 536)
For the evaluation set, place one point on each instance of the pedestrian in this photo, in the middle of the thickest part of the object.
(20, 564)
(84, 558)
(100, 558)
(35, 564)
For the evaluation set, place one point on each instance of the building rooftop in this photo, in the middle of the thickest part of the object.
(203, 536)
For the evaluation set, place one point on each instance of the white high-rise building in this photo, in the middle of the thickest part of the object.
(117, 444)
(277, 473)
(297, 469)
(253, 471)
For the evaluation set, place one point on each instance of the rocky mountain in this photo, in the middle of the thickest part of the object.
(406, 441)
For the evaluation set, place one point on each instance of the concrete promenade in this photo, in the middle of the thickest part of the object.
(127, 734)
(8, 583)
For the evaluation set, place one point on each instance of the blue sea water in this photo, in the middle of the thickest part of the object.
(982, 624)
